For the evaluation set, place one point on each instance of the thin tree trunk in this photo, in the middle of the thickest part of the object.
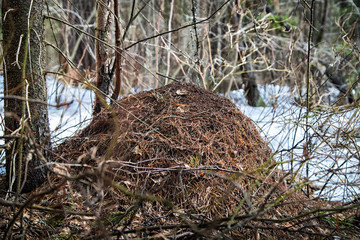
(156, 23)
(252, 93)
(101, 81)
(117, 63)
(26, 121)
(323, 13)
(169, 42)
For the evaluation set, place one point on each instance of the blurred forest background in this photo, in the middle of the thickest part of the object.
(235, 44)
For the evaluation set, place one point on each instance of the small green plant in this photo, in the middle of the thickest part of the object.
(194, 161)
(339, 220)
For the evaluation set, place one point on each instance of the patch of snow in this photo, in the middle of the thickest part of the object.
(64, 120)
(73, 115)
(334, 140)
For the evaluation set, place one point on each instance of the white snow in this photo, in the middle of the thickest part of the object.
(64, 120)
(334, 140)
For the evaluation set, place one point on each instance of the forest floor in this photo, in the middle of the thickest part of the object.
(175, 162)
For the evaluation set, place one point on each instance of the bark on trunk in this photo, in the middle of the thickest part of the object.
(24, 82)
(102, 79)
(117, 63)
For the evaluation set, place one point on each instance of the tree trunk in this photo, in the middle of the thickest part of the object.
(26, 115)
(117, 63)
(103, 79)
(252, 93)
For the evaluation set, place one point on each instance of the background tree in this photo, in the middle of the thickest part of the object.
(103, 77)
(26, 113)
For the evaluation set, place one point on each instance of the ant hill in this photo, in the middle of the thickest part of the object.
(178, 154)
